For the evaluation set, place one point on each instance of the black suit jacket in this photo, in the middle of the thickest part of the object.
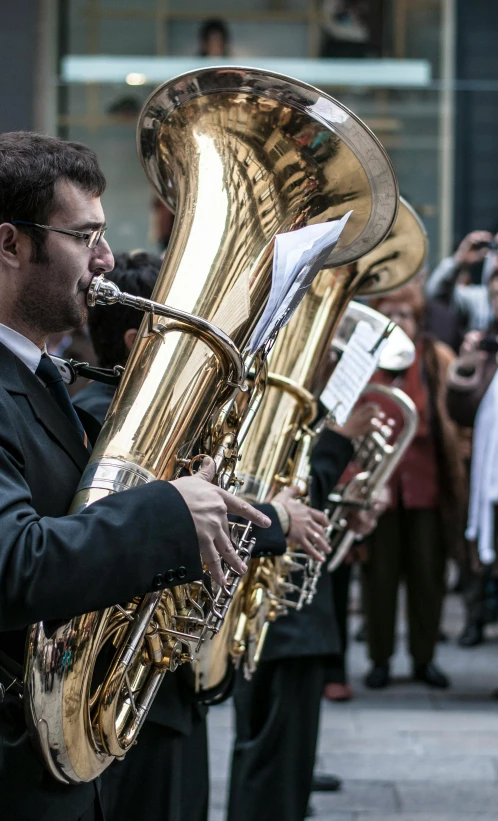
(313, 630)
(54, 566)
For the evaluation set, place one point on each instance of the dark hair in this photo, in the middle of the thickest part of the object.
(213, 27)
(136, 273)
(30, 165)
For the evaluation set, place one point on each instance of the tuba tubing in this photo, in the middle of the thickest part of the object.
(381, 458)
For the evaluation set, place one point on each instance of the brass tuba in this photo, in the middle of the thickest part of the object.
(377, 456)
(277, 451)
(240, 155)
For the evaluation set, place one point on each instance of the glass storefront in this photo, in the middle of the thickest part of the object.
(408, 116)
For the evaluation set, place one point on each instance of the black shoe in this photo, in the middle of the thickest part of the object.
(471, 636)
(442, 637)
(378, 677)
(323, 782)
(431, 675)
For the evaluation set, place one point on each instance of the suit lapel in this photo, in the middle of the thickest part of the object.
(17, 378)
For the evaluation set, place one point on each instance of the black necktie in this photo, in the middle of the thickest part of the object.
(49, 374)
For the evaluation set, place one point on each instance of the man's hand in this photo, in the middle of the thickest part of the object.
(471, 342)
(209, 507)
(306, 524)
(362, 421)
(362, 522)
(473, 248)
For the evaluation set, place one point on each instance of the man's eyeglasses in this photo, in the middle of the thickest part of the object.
(92, 238)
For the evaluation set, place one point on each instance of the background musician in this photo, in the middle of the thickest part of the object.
(337, 688)
(54, 566)
(422, 524)
(278, 710)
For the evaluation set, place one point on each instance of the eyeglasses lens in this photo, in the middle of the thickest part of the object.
(95, 237)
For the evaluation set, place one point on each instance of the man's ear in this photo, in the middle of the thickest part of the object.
(129, 338)
(14, 246)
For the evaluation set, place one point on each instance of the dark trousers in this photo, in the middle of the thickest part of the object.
(277, 716)
(406, 545)
(163, 778)
(335, 665)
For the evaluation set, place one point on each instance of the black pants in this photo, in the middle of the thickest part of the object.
(335, 666)
(277, 716)
(407, 544)
(163, 778)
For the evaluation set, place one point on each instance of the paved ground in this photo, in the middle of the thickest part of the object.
(405, 754)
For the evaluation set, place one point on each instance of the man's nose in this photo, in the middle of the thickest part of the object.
(102, 258)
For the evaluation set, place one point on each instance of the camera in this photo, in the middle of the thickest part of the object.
(489, 344)
(492, 245)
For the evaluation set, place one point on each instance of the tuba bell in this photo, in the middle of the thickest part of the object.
(241, 155)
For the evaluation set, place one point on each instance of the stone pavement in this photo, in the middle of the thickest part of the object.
(406, 753)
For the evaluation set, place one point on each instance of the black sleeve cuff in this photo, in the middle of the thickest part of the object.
(270, 541)
(329, 458)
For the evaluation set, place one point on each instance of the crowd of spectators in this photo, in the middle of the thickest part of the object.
(444, 493)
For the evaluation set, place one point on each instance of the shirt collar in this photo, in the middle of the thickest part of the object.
(23, 348)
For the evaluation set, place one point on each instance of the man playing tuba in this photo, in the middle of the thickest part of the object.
(53, 566)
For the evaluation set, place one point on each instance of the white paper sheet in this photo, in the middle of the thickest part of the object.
(352, 372)
(298, 257)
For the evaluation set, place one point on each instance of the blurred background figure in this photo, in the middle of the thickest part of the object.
(75, 345)
(363, 420)
(114, 328)
(469, 378)
(462, 280)
(161, 224)
(421, 526)
(214, 39)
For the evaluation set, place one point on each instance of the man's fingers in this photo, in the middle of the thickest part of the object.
(207, 469)
(227, 551)
(312, 551)
(291, 492)
(213, 565)
(238, 507)
(318, 539)
(319, 517)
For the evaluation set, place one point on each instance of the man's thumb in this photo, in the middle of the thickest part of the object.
(207, 469)
(293, 492)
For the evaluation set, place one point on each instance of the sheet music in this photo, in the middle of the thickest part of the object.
(353, 371)
(298, 257)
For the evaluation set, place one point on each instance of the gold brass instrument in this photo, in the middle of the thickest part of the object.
(240, 155)
(377, 456)
(279, 454)
(398, 258)
(276, 450)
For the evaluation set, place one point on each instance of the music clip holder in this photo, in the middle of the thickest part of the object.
(384, 335)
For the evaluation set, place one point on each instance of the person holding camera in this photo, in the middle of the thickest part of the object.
(461, 281)
(469, 378)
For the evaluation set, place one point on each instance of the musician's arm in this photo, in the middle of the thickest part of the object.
(120, 547)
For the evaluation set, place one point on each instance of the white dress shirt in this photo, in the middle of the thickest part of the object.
(27, 351)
